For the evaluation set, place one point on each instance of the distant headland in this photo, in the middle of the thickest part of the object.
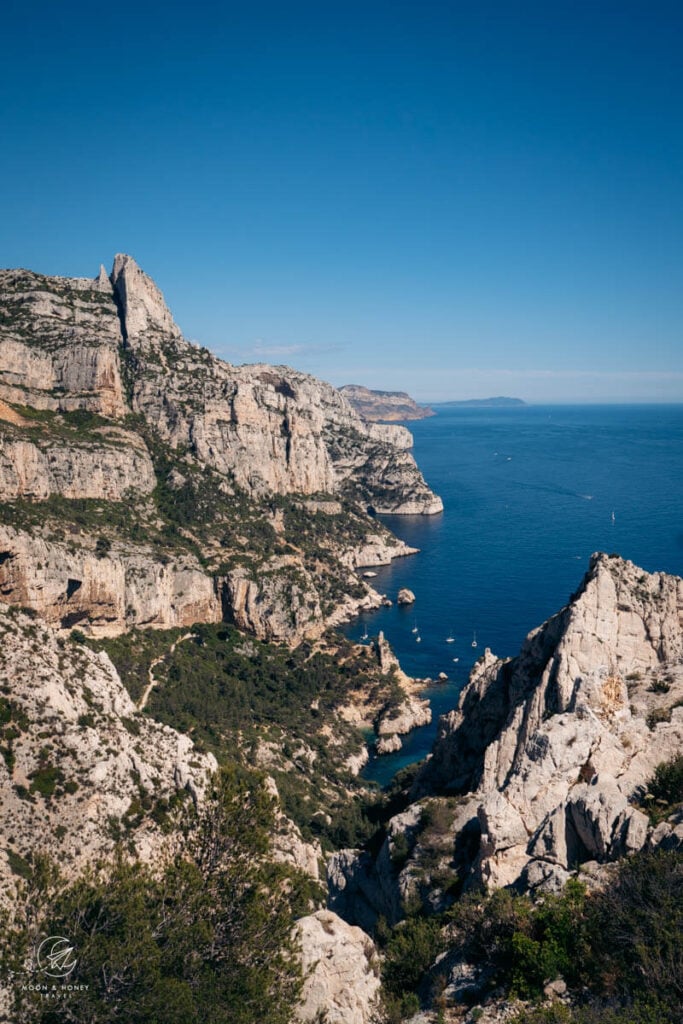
(499, 401)
(384, 406)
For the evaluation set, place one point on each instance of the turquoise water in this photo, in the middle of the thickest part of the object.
(529, 494)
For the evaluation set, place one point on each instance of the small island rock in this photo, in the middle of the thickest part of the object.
(405, 596)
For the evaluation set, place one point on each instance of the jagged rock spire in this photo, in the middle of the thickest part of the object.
(102, 282)
(141, 302)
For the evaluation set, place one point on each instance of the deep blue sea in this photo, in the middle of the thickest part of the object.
(529, 493)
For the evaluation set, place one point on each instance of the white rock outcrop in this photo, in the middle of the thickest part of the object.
(342, 971)
(80, 755)
(127, 587)
(114, 347)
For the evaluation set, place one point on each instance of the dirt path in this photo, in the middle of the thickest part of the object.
(150, 674)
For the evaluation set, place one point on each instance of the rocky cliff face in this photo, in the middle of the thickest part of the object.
(544, 766)
(115, 467)
(77, 344)
(79, 764)
(555, 745)
(59, 343)
(71, 585)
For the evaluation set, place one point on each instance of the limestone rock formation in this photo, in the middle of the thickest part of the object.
(388, 744)
(555, 745)
(59, 344)
(127, 587)
(69, 344)
(77, 755)
(405, 596)
(410, 714)
(343, 983)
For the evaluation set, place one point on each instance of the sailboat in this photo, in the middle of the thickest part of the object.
(613, 517)
(366, 635)
(415, 629)
(450, 639)
(418, 639)
(474, 640)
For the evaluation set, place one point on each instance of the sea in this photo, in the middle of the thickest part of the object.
(529, 493)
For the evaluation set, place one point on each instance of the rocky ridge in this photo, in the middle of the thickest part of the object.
(340, 960)
(543, 768)
(558, 745)
(112, 347)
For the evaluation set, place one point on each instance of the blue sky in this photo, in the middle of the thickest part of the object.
(454, 199)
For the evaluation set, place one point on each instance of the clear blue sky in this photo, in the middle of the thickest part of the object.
(456, 199)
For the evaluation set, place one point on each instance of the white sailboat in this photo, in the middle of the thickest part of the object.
(366, 635)
(474, 640)
(418, 639)
(450, 639)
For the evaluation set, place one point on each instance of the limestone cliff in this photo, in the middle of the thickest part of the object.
(555, 745)
(341, 969)
(112, 347)
(114, 466)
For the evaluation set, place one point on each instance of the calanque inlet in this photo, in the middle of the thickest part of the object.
(183, 728)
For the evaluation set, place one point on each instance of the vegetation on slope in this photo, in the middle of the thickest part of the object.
(203, 939)
(619, 951)
(265, 704)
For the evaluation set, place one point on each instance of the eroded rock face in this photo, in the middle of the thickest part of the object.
(110, 346)
(343, 983)
(128, 587)
(109, 471)
(59, 341)
(384, 405)
(81, 753)
(556, 743)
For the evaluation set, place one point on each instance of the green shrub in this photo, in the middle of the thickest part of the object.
(45, 780)
(410, 950)
(667, 783)
(635, 932)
